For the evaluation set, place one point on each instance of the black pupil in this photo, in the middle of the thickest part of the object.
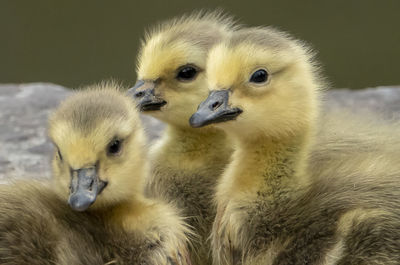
(187, 73)
(59, 154)
(259, 76)
(114, 147)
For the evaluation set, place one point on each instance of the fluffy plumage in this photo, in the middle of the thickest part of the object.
(272, 208)
(347, 144)
(186, 162)
(37, 226)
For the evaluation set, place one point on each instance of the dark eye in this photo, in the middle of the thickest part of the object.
(259, 76)
(186, 73)
(114, 148)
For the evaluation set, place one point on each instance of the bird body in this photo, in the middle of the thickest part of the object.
(95, 212)
(271, 207)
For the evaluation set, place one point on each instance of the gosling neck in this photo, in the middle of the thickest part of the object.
(187, 148)
(195, 139)
(266, 164)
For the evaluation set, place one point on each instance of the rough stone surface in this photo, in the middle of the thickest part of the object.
(24, 146)
(25, 150)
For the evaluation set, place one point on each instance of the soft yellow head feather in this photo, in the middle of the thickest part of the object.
(82, 129)
(283, 105)
(169, 47)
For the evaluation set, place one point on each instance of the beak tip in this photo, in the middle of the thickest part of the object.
(196, 121)
(80, 203)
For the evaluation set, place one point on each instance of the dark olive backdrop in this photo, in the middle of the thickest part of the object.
(79, 42)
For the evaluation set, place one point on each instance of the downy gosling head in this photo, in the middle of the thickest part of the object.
(262, 83)
(171, 65)
(99, 148)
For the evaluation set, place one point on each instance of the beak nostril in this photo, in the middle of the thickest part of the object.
(139, 94)
(91, 185)
(215, 105)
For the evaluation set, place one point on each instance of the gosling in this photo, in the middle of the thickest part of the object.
(186, 162)
(95, 211)
(270, 208)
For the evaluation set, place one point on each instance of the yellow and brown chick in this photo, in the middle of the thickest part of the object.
(271, 208)
(185, 162)
(95, 211)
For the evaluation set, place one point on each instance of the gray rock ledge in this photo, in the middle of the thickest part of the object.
(25, 150)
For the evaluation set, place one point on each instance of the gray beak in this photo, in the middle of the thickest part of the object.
(84, 188)
(145, 97)
(214, 109)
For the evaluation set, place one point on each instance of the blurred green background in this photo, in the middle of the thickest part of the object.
(74, 43)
